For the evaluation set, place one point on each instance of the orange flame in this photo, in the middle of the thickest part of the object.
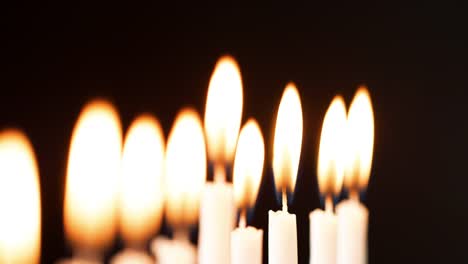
(20, 204)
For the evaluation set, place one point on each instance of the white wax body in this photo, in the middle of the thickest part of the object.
(132, 256)
(77, 261)
(169, 251)
(323, 228)
(352, 232)
(282, 238)
(217, 220)
(246, 245)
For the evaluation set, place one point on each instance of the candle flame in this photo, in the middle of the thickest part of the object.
(141, 193)
(223, 110)
(20, 204)
(92, 177)
(360, 140)
(330, 169)
(248, 165)
(288, 139)
(185, 169)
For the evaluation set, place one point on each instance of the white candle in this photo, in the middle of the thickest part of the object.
(168, 251)
(352, 215)
(246, 245)
(223, 114)
(217, 220)
(132, 256)
(247, 242)
(330, 172)
(282, 231)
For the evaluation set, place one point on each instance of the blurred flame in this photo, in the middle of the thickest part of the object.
(20, 204)
(141, 193)
(360, 140)
(223, 110)
(288, 139)
(185, 168)
(248, 165)
(92, 177)
(330, 168)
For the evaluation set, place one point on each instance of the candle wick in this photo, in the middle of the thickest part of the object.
(354, 195)
(243, 218)
(219, 172)
(329, 203)
(285, 200)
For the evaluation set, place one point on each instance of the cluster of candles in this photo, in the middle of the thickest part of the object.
(125, 188)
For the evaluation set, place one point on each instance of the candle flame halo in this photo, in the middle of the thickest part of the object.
(223, 111)
(248, 165)
(92, 178)
(141, 194)
(185, 169)
(360, 129)
(331, 163)
(20, 204)
(287, 141)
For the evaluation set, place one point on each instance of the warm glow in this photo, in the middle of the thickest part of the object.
(288, 139)
(360, 140)
(330, 168)
(248, 165)
(92, 177)
(223, 110)
(20, 204)
(185, 169)
(141, 193)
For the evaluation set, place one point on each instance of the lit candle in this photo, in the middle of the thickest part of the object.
(141, 192)
(247, 241)
(222, 122)
(185, 173)
(91, 183)
(282, 240)
(330, 172)
(352, 215)
(20, 204)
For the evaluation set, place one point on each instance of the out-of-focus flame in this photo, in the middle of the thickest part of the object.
(288, 139)
(223, 111)
(92, 177)
(248, 165)
(360, 140)
(20, 204)
(331, 163)
(141, 192)
(185, 169)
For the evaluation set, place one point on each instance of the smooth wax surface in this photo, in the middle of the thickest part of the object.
(246, 245)
(282, 238)
(132, 256)
(322, 237)
(168, 251)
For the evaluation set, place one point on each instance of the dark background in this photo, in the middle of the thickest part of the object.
(152, 58)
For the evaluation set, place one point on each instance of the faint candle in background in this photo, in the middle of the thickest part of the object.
(223, 115)
(185, 173)
(330, 172)
(141, 192)
(282, 230)
(353, 215)
(91, 182)
(247, 241)
(20, 204)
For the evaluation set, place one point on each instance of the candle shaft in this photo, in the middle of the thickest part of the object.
(323, 227)
(246, 245)
(282, 240)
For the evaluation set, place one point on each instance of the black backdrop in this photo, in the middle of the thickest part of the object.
(151, 58)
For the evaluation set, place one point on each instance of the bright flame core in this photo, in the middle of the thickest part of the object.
(141, 192)
(331, 163)
(92, 177)
(20, 204)
(288, 139)
(360, 140)
(185, 169)
(248, 165)
(223, 111)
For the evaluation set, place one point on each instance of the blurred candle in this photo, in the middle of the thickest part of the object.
(247, 241)
(282, 232)
(141, 192)
(352, 215)
(91, 183)
(223, 115)
(20, 204)
(185, 173)
(330, 172)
